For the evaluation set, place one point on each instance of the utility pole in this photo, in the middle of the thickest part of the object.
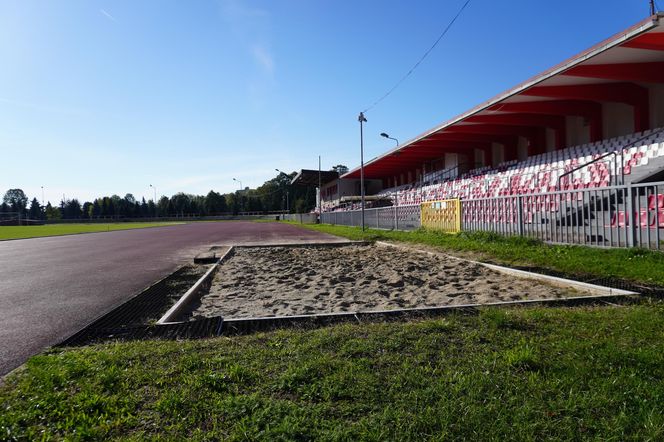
(320, 202)
(362, 120)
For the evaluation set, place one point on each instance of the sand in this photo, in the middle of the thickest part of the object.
(282, 281)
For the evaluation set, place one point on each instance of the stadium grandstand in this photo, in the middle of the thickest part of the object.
(573, 155)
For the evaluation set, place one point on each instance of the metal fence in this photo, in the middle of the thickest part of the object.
(617, 216)
(405, 217)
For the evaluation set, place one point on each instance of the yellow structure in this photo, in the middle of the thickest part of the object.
(442, 215)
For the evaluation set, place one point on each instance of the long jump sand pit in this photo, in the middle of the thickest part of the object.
(286, 281)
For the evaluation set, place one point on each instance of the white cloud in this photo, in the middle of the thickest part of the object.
(251, 28)
(243, 18)
(263, 58)
(107, 15)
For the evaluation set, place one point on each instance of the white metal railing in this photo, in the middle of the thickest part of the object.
(615, 216)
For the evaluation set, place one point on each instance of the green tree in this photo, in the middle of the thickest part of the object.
(215, 203)
(144, 210)
(88, 209)
(35, 211)
(340, 169)
(92, 209)
(181, 203)
(16, 199)
(71, 209)
(163, 206)
(53, 212)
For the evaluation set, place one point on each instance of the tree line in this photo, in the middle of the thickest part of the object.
(274, 195)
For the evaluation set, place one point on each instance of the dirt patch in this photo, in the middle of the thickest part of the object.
(284, 281)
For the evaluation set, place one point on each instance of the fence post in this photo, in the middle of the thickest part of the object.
(631, 219)
(519, 210)
(396, 210)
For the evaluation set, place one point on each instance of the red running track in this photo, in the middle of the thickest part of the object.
(52, 287)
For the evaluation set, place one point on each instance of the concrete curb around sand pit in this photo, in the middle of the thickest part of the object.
(597, 290)
(194, 292)
(170, 317)
(597, 293)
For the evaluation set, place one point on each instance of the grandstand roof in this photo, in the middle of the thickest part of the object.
(308, 177)
(618, 69)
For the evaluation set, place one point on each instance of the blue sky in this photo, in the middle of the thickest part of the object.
(101, 97)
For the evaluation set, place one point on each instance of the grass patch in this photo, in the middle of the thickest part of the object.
(22, 232)
(638, 265)
(505, 374)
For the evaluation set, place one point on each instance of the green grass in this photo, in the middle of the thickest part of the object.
(634, 264)
(21, 232)
(591, 373)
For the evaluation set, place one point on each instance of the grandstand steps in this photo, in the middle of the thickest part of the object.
(647, 173)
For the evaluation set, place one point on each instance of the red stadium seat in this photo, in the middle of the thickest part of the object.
(619, 219)
(655, 201)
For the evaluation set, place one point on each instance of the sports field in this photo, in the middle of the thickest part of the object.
(22, 232)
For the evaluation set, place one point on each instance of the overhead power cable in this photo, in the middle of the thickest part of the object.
(440, 37)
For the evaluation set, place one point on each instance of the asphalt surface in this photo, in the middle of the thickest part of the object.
(52, 287)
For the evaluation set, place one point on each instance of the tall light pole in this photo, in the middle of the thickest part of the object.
(238, 182)
(362, 120)
(384, 135)
(396, 195)
(320, 201)
(155, 199)
(239, 196)
(287, 199)
(42, 187)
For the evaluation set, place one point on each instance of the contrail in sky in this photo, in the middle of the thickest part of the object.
(109, 16)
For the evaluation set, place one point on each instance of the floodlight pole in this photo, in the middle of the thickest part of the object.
(155, 199)
(287, 186)
(320, 201)
(362, 120)
(652, 7)
(238, 182)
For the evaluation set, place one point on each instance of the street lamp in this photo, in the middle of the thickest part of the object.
(362, 120)
(384, 135)
(287, 201)
(155, 199)
(238, 182)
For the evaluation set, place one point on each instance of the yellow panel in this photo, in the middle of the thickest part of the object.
(442, 215)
